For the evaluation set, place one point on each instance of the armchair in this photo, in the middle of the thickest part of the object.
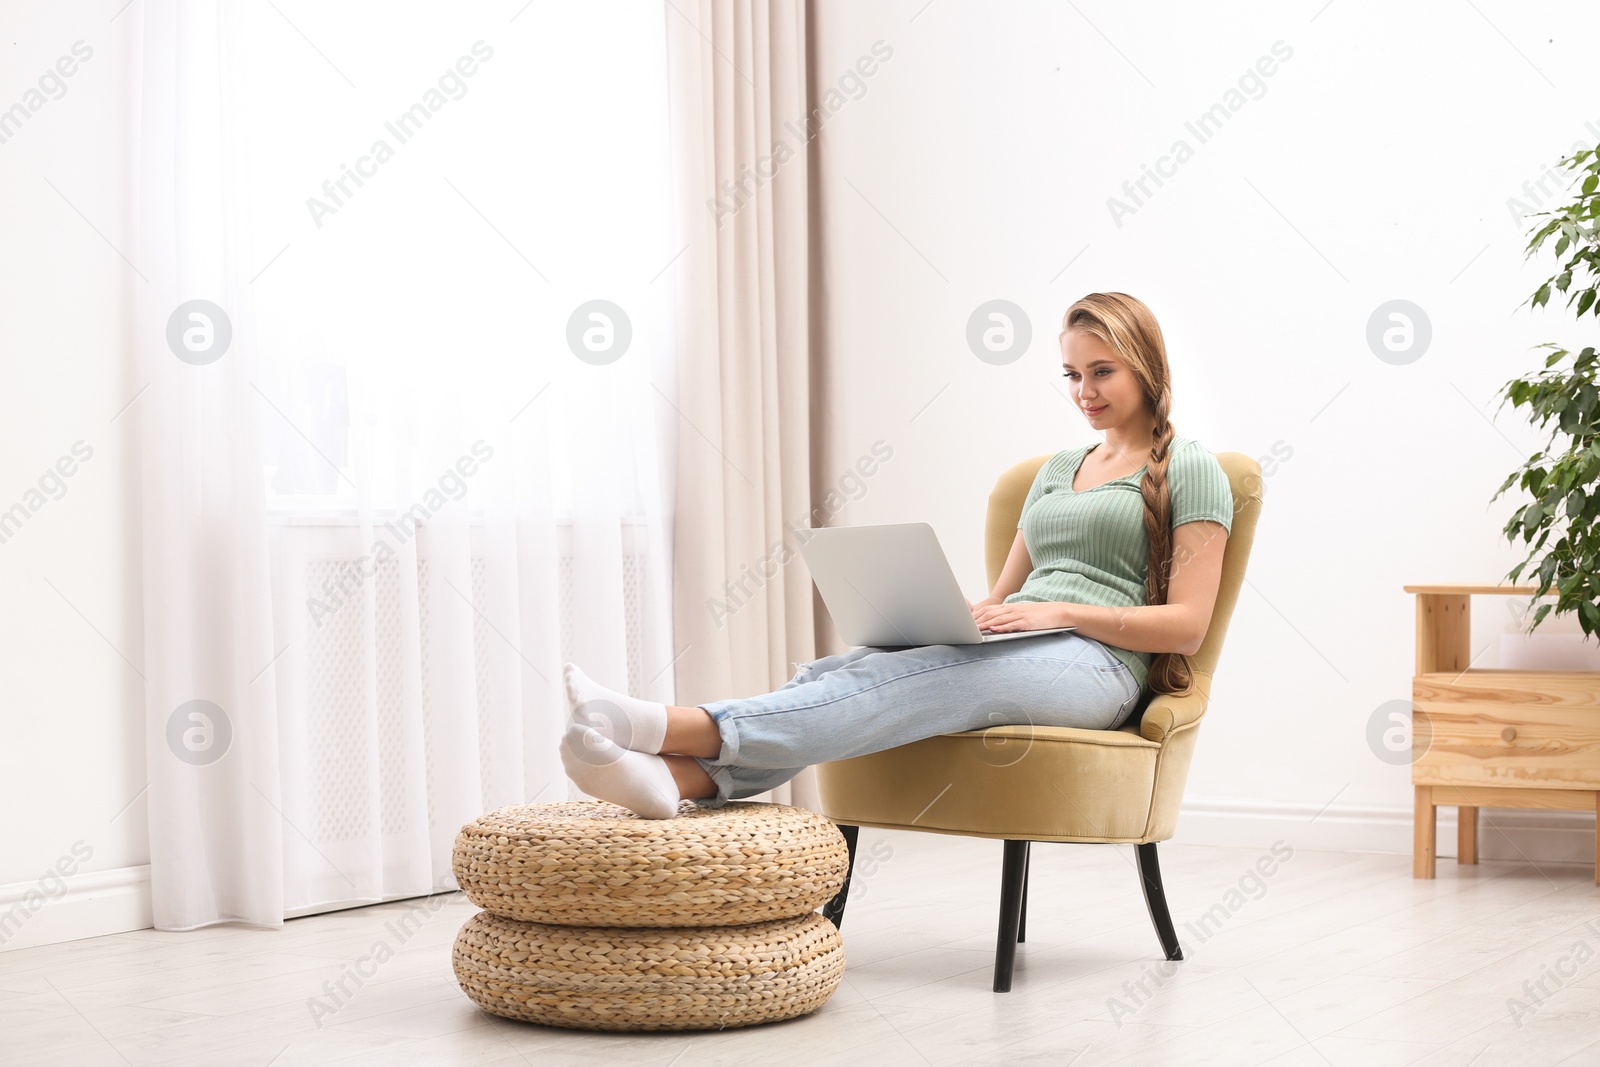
(1122, 785)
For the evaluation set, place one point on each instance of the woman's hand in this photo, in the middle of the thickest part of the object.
(986, 602)
(992, 614)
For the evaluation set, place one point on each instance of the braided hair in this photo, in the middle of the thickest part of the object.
(1129, 328)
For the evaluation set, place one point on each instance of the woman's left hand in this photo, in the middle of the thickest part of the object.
(1026, 615)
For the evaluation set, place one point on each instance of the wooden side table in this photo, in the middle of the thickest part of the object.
(1493, 738)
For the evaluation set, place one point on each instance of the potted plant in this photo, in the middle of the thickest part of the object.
(1561, 479)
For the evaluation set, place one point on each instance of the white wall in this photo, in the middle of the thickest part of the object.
(1377, 164)
(72, 761)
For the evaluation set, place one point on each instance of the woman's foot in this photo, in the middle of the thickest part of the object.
(640, 725)
(640, 782)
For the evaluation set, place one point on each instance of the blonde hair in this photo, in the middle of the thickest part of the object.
(1129, 328)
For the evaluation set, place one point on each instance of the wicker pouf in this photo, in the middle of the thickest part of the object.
(597, 919)
(590, 863)
(649, 978)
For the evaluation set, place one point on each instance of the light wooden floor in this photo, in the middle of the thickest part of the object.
(1337, 958)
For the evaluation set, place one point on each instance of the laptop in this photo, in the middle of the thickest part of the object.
(892, 585)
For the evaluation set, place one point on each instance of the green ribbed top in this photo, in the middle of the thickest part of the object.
(1091, 547)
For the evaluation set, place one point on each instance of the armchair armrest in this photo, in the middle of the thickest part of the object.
(1167, 713)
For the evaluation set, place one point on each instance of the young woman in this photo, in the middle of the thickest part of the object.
(1122, 539)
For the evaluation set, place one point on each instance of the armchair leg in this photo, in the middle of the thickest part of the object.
(1013, 871)
(1022, 919)
(1155, 898)
(833, 910)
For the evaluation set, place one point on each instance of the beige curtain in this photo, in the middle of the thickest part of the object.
(751, 382)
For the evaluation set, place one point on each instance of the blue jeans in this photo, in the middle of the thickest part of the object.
(870, 699)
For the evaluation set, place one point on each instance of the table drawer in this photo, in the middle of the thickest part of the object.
(1507, 728)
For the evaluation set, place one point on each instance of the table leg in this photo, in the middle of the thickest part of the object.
(1597, 838)
(1466, 835)
(1422, 845)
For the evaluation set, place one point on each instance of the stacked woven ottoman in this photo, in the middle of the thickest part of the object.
(596, 919)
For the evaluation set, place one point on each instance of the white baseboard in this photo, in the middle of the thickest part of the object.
(47, 911)
(113, 902)
(1503, 833)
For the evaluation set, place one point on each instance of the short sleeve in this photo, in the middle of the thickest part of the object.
(1199, 487)
(1037, 489)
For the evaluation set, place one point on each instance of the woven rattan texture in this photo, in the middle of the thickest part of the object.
(592, 863)
(662, 978)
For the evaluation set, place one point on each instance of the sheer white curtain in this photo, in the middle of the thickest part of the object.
(421, 475)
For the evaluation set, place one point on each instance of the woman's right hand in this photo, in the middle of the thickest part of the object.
(986, 602)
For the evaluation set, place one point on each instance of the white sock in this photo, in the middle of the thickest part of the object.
(637, 724)
(640, 782)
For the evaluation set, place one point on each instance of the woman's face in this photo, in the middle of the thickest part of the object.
(1103, 387)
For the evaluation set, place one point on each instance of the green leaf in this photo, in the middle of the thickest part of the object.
(1585, 298)
(1589, 183)
(1542, 233)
